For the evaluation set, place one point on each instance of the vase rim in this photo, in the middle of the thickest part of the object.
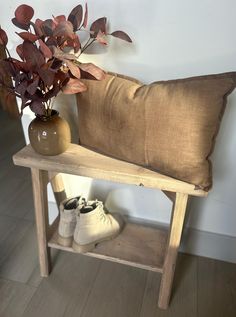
(46, 118)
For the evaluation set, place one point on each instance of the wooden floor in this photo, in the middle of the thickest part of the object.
(80, 286)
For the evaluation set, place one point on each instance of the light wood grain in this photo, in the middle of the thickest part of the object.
(218, 280)
(67, 288)
(184, 300)
(176, 228)
(78, 160)
(138, 246)
(21, 262)
(16, 206)
(12, 231)
(131, 246)
(117, 291)
(39, 181)
(14, 298)
(58, 187)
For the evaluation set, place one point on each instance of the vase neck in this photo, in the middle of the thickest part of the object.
(54, 113)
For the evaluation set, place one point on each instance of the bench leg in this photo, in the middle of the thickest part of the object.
(39, 182)
(59, 194)
(57, 187)
(176, 227)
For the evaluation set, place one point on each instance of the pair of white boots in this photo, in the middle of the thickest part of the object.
(84, 224)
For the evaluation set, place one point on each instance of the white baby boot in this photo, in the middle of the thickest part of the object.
(94, 226)
(68, 209)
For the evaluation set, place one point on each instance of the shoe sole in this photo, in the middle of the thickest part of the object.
(65, 242)
(84, 248)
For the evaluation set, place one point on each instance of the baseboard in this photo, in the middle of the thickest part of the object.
(207, 244)
(196, 242)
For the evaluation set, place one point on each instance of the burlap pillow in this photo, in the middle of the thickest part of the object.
(168, 126)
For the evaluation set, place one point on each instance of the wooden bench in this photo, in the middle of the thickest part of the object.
(149, 248)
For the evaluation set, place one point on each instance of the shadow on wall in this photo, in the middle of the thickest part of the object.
(216, 213)
(177, 67)
(66, 105)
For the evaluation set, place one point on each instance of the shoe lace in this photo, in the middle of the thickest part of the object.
(103, 217)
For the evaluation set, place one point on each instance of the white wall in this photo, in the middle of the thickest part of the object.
(172, 39)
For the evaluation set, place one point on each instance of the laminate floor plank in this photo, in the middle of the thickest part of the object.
(117, 291)
(22, 261)
(16, 198)
(11, 232)
(216, 288)
(14, 298)
(12, 171)
(65, 291)
(184, 292)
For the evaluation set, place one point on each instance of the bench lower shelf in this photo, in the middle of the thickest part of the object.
(137, 245)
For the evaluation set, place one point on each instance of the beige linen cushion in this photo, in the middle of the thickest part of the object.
(168, 126)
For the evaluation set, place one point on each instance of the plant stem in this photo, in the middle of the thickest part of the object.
(8, 52)
(10, 58)
(87, 45)
(52, 101)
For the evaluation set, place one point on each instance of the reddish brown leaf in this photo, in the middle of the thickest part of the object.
(37, 27)
(37, 107)
(32, 54)
(19, 50)
(7, 68)
(58, 19)
(19, 78)
(10, 98)
(76, 16)
(23, 66)
(21, 88)
(59, 54)
(51, 41)
(28, 36)
(75, 43)
(85, 75)
(39, 96)
(24, 14)
(85, 16)
(74, 86)
(1, 78)
(3, 37)
(94, 70)
(24, 104)
(47, 27)
(121, 35)
(64, 29)
(52, 93)
(45, 49)
(98, 25)
(74, 69)
(33, 86)
(101, 38)
(62, 77)
(56, 65)
(20, 25)
(47, 76)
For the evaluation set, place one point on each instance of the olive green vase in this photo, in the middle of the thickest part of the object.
(49, 135)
